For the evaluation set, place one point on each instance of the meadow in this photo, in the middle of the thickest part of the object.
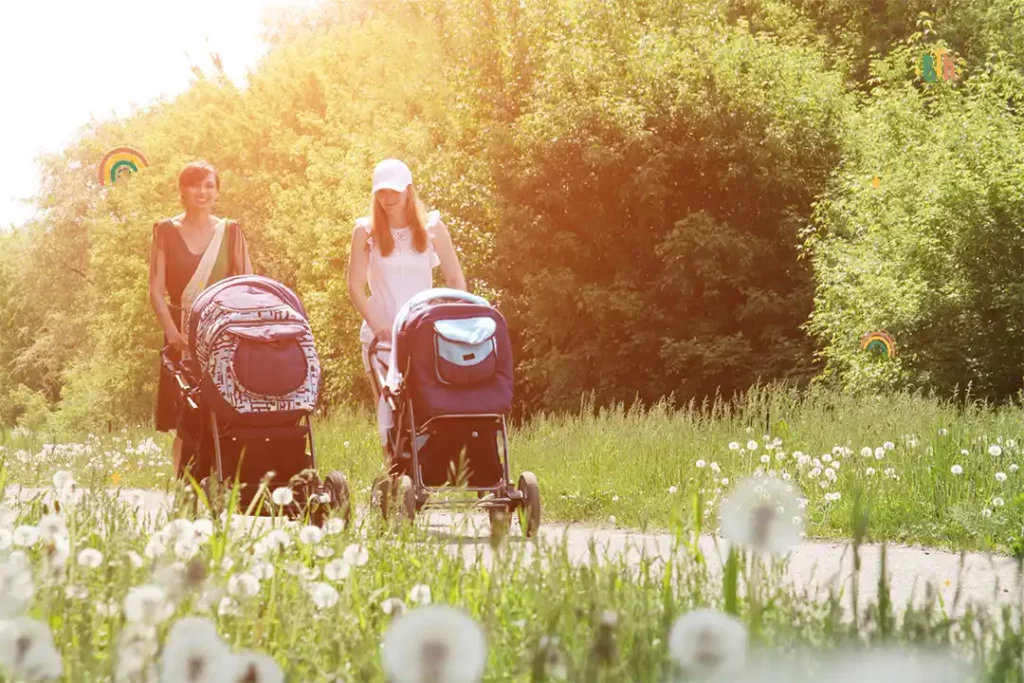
(95, 587)
(937, 473)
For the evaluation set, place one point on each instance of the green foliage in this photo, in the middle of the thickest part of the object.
(934, 254)
(630, 183)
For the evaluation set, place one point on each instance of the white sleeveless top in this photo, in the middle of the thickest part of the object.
(397, 277)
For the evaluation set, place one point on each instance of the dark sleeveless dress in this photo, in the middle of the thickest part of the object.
(180, 265)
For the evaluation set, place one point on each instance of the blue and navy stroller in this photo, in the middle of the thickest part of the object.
(448, 390)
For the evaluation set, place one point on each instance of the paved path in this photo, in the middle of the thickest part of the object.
(813, 566)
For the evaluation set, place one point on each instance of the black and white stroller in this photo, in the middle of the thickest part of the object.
(250, 384)
(445, 397)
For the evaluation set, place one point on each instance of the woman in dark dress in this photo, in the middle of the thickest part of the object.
(190, 252)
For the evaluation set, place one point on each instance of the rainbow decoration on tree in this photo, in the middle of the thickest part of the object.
(879, 342)
(119, 163)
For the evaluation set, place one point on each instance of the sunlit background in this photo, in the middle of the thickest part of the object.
(64, 61)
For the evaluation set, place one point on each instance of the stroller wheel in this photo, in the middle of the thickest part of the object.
(409, 504)
(529, 507)
(337, 486)
(380, 495)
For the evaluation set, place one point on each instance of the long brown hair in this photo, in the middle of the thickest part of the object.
(415, 214)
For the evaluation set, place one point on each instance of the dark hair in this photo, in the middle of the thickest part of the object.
(195, 173)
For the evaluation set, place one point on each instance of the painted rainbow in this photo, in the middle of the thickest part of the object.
(120, 161)
(880, 342)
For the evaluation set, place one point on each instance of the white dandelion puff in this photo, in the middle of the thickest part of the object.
(420, 595)
(758, 515)
(393, 606)
(148, 605)
(282, 496)
(90, 558)
(324, 595)
(193, 646)
(1000, 477)
(957, 470)
(310, 535)
(26, 536)
(356, 555)
(707, 643)
(247, 667)
(436, 643)
(337, 570)
(995, 451)
(27, 650)
(243, 585)
(751, 445)
(16, 589)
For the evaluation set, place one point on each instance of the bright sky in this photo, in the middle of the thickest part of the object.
(62, 61)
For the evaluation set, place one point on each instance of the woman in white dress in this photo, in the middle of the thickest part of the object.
(395, 250)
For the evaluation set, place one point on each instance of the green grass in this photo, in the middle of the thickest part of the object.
(519, 598)
(620, 466)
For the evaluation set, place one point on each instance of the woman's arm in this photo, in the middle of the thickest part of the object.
(240, 256)
(358, 261)
(158, 287)
(450, 265)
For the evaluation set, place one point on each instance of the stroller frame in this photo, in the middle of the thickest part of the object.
(501, 499)
(335, 485)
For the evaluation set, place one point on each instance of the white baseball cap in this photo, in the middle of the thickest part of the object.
(391, 174)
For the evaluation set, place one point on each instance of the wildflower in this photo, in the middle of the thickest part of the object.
(1000, 477)
(27, 650)
(282, 496)
(879, 453)
(765, 459)
(751, 445)
(700, 464)
(1013, 468)
(311, 535)
(420, 595)
(90, 558)
(943, 431)
(324, 595)
(995, 451)
(334, 526)
(147, 605)
(866, 452)
(998, 502)
(756, 515)
(733, 446)
(957, 470)
(707, 643)
(246, 667)
(986, 513)
(337, 570)
(436, 643)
